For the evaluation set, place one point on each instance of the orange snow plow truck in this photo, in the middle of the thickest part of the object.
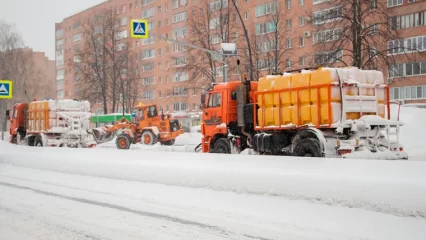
(327, 112)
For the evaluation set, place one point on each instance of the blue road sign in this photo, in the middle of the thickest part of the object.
(6, 89)
(139, 28)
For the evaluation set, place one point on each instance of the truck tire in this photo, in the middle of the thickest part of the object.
(168, 143)
(38, 142)
(222, 145)
(123, 141)
(148, 138)
(308, 147)
(31, 141)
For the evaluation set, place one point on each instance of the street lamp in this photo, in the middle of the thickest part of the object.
(228, 49)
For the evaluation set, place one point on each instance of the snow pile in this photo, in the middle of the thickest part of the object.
(391, 187)
(184, 143)
(412, 133)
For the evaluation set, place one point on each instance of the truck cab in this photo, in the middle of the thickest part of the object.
(17, 122)
(220, 107)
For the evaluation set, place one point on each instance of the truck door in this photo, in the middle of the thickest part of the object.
(213, 111)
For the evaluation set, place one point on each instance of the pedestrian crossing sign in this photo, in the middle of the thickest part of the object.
(5, 89)
(139, 28)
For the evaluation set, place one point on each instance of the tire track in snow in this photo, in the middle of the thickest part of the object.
(221, 231)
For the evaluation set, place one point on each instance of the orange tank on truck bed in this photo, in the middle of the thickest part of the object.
(336, 112)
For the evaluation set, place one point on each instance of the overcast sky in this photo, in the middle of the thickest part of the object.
(35, 19)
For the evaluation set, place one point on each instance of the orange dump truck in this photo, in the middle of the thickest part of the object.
(326, 112)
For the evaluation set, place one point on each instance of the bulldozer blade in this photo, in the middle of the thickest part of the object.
(102, 135)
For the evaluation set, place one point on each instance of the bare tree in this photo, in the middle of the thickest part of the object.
(17, 64)
(271, 40)
(211, 23)
(129, 68)
(102, 61)
(354, 33)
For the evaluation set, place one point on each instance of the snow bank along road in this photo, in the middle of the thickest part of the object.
(48, 193)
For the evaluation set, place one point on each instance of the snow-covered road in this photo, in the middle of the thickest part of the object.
(48, 193)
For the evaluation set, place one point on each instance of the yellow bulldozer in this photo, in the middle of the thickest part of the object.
(147, 127)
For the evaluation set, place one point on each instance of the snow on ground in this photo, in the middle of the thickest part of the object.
(61, 193)
(170, 192)
(412, 134)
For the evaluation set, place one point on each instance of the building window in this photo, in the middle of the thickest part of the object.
(407, 69)
(121, 35)
(148, 81)
(148, 13)
(263, 28)
(373, 29)
(302, 41)
(180, 106)
(148, 95)
(301, 2)
(179, 17)
(246, 15)
(178, 47)
(288, 63)
(180, 32)
(288, 23)
(302, 61)
(148, 40)
(266, 9)
(393, 3)
(301, 21)
(180, 76)
(180, 61)
(407, 45)
(408, 92)
(146, 2)
(373, 5)
(327, 35)
(76, 37)
(326, 15)
(328, 57)
(150, 53)
(180, 92)
(147, 67)
(287, 4)
(408, 21)
(289, 43)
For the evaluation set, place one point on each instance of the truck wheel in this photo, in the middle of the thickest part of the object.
(168, 143)
(222, 145)
(148, 138)
(123, 141)
(308, 147)
(38, 142)
(31, 141)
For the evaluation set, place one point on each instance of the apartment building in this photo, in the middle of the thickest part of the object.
(173, 89)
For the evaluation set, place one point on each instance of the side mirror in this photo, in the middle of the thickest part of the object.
(202, 106)
(203, 98)
(8, 114)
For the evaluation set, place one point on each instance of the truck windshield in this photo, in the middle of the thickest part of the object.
(215, 100)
